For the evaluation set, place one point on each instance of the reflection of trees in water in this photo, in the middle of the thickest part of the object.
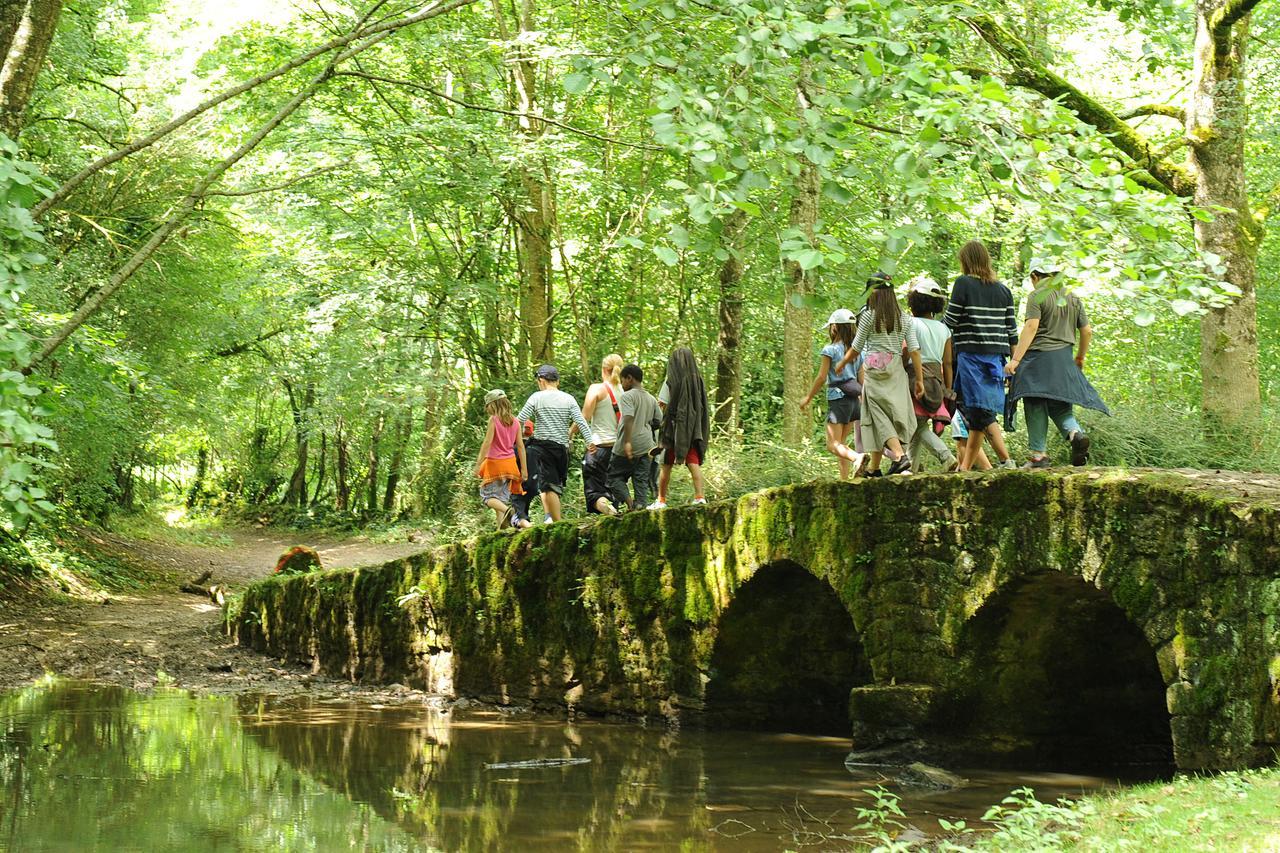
(102, 768)
(428, 773)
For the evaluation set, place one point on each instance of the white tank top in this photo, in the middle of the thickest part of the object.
(604, 423)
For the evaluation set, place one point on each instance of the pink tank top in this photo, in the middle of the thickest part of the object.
(504, 439)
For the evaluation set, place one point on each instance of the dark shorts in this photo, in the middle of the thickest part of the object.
(843, 410)
(595, 476)
(548, 466)
(977, 420)
(693, 457)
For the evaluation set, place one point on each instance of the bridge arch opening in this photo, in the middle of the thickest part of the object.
(786, 656)
(1057, 677)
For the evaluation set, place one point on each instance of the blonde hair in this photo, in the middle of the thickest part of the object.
(611, 367)
(501, 409)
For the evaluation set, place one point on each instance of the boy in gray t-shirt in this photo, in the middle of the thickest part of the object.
(630, 459)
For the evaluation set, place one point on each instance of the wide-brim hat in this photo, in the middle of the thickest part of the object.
(495, 394)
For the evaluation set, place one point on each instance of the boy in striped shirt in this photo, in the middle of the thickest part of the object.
(553, 412)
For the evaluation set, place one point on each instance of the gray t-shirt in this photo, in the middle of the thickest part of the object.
(639, 404)
(1060, 313)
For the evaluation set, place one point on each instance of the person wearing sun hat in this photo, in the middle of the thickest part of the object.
(1046, 377)
(926, 299)
(844, 409)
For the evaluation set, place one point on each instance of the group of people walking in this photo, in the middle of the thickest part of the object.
(894, 379)
(632, 440)
(959, 368)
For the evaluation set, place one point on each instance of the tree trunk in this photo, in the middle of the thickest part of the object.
(342, 487)
(532, 211)
(403, 429)
(297, 493)
(24, 60)
(371, 482)
(202, 470)
(728, 355)
(1216, 126)
(797, 326)
(320, 469)
(11, 14)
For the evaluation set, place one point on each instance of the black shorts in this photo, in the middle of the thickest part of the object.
(548, 466)
(595, 476)
(844, 410)
(977, 420)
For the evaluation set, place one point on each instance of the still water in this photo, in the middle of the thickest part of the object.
(86, 767)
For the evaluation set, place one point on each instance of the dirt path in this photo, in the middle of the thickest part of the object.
(163, 637)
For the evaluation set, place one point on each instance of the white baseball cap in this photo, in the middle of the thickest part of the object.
(925, 284)
(1044, 266)
(839, 316)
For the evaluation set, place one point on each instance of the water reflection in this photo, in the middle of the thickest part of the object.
(101, 768)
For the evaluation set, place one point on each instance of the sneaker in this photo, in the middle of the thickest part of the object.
(875, 473)
(1079, 448)
(657, 505)
(864, 460)
(952, 466)
(1037, 464)
(699, 502)
(1007, 465)
(902, 465)
(546, 519)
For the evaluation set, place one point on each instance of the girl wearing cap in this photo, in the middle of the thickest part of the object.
(981, 318)
(1045, 376)
(501, 465)
(888, 419)
(843, 393)
(926, 299)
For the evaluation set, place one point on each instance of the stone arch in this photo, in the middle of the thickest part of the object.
(1054, 673)
(785, 656)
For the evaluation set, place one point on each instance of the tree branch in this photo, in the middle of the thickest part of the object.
(246, 346)
(1227, 16)
(164, 130)
(1167, 110)
(409, 84)
(275, 187)
(1028, 73)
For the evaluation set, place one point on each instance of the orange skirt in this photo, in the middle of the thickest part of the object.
(492, 470)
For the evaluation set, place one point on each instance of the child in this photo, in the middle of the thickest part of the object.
(980, 316)
(501, 465)
(888, 419)
(925, 299)
(686, 424)
(1045, 376)
(553, 411)
(631, 457)
(600, 408)
(843, 391)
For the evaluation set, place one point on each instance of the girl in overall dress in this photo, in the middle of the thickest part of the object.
(501, 465)
(888, 419)
(1046, 377)
(843, 393)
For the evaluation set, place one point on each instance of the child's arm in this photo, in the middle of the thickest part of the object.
(524, 466)
(585, 428)
(849, 358)
(818, 382)
(484, 446)
(919, 368)
(948, 374)
(627, 420)
(1086, 335)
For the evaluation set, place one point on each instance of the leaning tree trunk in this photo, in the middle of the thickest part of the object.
(728, 354)
(24, 60)
(11, 14)
(1216, 126)
(342, 476)
(403, 431)
(301, 410)
(797, 324)
(371, 482)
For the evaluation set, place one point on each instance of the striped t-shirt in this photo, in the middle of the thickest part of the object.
(869, 340)
(981, 317)
(553, 411)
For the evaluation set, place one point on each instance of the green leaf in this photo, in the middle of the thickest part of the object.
(667, 255)
(808, 259)
(1183, 307)
(874, 66)
(993, 90)
(577, 83)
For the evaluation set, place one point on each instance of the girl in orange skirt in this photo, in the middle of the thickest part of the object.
(501, 465)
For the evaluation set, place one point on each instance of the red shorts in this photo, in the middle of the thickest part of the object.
(693, 457)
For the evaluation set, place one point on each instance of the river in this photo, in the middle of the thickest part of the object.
(85, 767)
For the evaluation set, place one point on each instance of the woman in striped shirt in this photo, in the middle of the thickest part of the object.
(888, 419)
(983, 328)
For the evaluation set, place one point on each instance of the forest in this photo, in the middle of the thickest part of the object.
(273, 254)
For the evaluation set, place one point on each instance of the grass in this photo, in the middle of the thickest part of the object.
(172, 523)
(56, 559)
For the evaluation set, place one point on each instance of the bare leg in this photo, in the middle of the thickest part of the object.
(695, 474)
(876, 456)
(895, 447)
(836, 436)
(498, 507)
(996, 436)
(972, 447)
(980, 461)
(551, 503)
(604, 507)
(664, 480)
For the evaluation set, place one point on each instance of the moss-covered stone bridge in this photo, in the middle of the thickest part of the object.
(1061, 619)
